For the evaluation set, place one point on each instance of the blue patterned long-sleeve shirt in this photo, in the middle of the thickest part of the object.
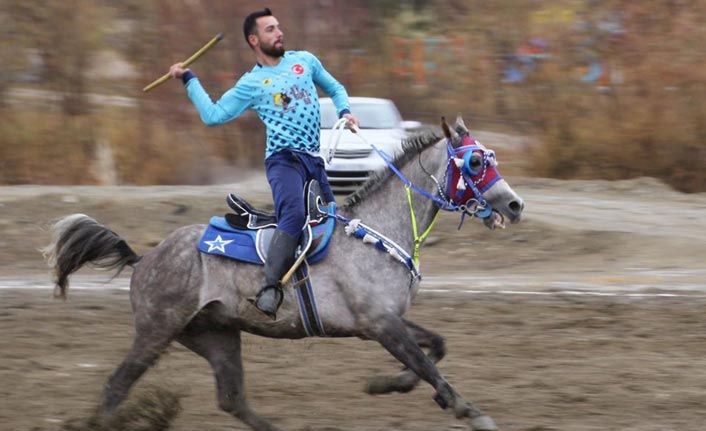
(284, 97)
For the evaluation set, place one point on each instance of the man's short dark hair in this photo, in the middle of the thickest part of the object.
(250, 22)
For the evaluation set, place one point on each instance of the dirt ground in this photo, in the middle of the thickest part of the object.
(589, 315)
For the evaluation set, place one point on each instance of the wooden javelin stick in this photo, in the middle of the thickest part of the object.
(294, 267)
(186, 62)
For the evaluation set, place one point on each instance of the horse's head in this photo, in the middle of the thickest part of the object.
(474, 182)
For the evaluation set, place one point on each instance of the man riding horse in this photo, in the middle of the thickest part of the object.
(181, 293)
(281, 88)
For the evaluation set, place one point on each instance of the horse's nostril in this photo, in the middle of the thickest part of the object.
(516, 207)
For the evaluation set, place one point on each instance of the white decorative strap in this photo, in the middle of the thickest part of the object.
(374, 237)
(396, 254)
(369, 239)
(352, 226)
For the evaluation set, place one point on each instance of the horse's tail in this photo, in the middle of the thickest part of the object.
(78, 239)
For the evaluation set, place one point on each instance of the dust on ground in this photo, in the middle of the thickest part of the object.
(588, 315)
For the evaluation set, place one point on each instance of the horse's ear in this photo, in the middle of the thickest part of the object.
(450, 133)
(461, 126)
(445, 128)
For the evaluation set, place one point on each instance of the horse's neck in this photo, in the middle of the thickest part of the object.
(387, 209)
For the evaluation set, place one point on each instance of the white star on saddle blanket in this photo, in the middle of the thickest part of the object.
(218, 244)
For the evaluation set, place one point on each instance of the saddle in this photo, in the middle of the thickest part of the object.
(246, 233)
(247, 217)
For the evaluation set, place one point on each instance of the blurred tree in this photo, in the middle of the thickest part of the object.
(432, 57)
(13, 53)
(66, 35)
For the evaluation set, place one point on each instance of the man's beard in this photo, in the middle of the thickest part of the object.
(273, 51)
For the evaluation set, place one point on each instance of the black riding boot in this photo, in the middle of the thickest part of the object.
(280, 258)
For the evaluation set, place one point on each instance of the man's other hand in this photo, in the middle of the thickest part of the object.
(177, 70)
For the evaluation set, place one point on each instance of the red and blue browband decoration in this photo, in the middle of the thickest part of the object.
(463, 183)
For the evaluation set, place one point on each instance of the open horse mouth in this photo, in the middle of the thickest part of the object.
(495, 220)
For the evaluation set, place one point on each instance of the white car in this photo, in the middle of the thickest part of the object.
(354, 160)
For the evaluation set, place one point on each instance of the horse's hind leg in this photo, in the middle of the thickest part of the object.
(221, 347)
(407, 380)
(395, 337)
(145, 351)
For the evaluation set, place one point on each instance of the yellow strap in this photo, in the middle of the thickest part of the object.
(418, 240)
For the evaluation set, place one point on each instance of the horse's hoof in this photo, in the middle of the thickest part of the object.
(402, 383)
(377, 385)
(483, 423)
(441, 401)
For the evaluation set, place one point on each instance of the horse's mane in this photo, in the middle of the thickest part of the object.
(411, 147)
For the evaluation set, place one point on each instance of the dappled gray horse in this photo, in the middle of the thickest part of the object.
(199, 300)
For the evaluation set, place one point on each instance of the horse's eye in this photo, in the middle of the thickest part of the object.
(476, 161)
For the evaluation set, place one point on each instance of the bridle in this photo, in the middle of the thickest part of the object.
(463, 192)
(464, 185)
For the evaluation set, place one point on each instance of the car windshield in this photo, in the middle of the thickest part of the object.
(370, 115)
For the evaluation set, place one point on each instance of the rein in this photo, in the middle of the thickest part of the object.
(444, 204)
(337, 130)
(475, 206)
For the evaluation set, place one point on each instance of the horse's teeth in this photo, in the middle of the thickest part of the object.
(498, 221)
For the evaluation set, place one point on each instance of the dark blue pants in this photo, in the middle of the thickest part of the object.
(287, 172)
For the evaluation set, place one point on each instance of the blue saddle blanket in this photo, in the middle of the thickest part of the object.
(246, 245)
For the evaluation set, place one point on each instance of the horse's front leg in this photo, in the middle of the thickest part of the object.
(406, 380)
(393, 335)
